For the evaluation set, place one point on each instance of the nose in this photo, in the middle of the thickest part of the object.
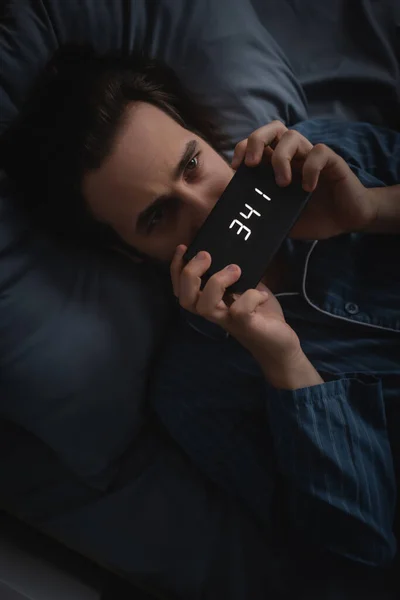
(197, 205)
(199, 211)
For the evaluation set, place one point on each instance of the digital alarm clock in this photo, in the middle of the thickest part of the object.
(248, 224)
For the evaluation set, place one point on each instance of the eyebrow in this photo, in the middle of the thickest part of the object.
(144, 216)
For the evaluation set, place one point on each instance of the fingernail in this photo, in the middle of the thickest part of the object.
(281, 179)
(265, 294)
(200, 256)
(232, 268)
(250, 157)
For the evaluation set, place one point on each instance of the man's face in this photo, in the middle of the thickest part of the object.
(159, 183)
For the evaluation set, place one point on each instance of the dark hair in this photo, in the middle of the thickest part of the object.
(68, 126)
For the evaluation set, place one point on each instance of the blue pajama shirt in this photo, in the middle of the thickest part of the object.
(329, 453)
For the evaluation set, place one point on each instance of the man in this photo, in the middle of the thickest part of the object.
(140, 167)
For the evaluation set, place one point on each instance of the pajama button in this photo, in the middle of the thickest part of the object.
(351, 308)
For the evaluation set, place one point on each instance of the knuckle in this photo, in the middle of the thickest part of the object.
(186, 272)
(278, 123)
(254, 137)
(236, 311)
(292, 134)
(189, 270)
(241, 144)
(221, 278)
(279, 156)
(320, 148)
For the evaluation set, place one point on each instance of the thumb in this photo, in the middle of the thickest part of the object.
(260, 288)
(263, 288)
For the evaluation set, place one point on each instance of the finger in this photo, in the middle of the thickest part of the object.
(292, 145)
(230, 297)
(265, 136)
(321, 158)
(240, 151)
(210, 303)
(238, 155)
(176, 266)
(261, 287)
(190, 280)
(262, 137)
(254, 150)
(247, 304)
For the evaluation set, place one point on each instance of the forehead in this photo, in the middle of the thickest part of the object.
(145, 152)
(147, 133)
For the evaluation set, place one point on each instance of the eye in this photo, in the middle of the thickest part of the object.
(162, 213)
(193, 163)
(155, 218)
(192, 167)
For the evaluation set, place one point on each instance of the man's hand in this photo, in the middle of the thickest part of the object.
(254, 318)
(339, 204)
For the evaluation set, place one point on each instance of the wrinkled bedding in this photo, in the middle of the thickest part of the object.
(346, 55)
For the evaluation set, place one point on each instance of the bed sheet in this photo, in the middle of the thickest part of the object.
(345, 54)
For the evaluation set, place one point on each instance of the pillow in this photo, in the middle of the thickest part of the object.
(220, 50)
(78, 331)
(77, 336)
